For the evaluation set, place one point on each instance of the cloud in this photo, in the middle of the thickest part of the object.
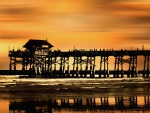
(15, 10)
(19, 13)
(18, 35)
(134, 13)
(112, 1)
(143, 19)
(140, 38)
(7, 37)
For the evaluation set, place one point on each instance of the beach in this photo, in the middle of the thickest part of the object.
(78, 86)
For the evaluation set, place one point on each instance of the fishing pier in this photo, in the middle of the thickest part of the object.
(38, 59)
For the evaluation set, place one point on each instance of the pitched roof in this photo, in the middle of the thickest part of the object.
(37, 43)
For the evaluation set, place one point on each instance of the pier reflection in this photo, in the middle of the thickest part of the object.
(102, 104)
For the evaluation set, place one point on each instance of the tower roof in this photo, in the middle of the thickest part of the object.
(37, 43)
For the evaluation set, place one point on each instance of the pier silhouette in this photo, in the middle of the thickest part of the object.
(37, 58)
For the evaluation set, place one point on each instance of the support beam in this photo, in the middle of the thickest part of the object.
(118, 66)
(104, 62)
(10, 64)
(132, 67)
(146, 66)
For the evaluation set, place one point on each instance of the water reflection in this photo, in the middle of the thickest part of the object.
(139, 104)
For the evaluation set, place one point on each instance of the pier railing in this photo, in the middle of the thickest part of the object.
(79, 53)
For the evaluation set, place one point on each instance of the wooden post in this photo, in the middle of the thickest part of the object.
(10, 65)
(15, 63)
(147, 74)
(77, 68)
(81, 66)
(68, 70)
(144, 70)
(45, 66)
(73, 67)
(100, 67)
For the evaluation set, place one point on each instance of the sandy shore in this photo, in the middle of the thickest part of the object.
(92, 82)
(5, 79)
(13, 87)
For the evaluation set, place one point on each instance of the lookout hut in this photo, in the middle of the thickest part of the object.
(38, 46)
(38, 51)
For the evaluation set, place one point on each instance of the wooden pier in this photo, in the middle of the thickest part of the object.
(37, 58)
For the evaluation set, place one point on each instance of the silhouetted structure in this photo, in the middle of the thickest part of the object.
(39, 59)
(33, 56)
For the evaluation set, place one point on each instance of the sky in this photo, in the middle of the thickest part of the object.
(85, 24)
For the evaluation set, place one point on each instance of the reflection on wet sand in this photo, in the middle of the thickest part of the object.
(139, 104)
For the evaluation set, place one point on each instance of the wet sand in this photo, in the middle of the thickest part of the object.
(15, 87)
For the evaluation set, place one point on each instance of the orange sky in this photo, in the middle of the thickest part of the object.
(67, 23)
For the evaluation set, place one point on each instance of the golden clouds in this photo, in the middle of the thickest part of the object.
(82, 23)
(48, 17)
(18, 13)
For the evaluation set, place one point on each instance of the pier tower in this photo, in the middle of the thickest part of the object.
(33, 57)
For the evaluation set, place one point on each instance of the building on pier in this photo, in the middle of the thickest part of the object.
(33, 56)
(38, 47)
